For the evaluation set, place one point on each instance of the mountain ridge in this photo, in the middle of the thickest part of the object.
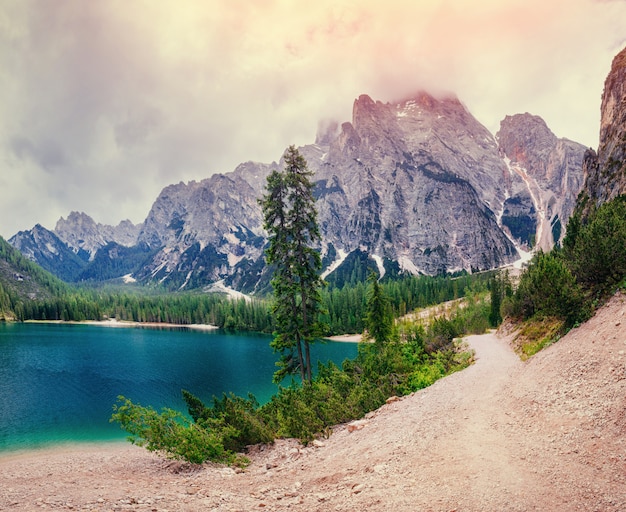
(419, 186)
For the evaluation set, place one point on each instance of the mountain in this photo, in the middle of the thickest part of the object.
(551, 177)
(45, 248)
(84, 236)
(80, 249)
(605, 171)
(418, 186)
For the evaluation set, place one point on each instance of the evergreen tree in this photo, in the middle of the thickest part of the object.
(496, 292)
(290, 219)
(378, 319)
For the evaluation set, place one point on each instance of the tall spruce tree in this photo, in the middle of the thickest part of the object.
(290, 219)
(378, 319)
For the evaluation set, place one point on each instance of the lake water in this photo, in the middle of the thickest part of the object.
(58, 383)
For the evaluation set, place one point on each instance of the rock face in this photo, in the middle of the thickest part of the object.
(545, 177)
(605, 171)
(206, 229)
(417, 185)
(415, 182)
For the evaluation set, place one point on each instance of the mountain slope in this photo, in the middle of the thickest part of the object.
(22, 280)
(46, 249)
(80, 249)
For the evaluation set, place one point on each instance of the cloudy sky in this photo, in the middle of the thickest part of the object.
(103, 103)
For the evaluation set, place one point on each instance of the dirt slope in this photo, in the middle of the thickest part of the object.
(549, 434)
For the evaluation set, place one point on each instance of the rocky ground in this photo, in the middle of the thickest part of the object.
(548, 434)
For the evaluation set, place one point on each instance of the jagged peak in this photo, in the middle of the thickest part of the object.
(75, 218)
(429, 99)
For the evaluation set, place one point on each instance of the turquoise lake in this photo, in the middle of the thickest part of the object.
(58, 383)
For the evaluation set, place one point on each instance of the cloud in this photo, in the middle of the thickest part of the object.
(105, 103)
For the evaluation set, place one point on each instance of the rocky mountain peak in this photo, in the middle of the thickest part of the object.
(545, 176)
(613, 107)
(48, 250)
(81, 233)
(418, 185)
(526, 139)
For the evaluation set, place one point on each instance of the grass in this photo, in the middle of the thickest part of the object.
(537, 334)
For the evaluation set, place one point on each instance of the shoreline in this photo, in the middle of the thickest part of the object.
(346, 338)
(65, 450)
(112, 322)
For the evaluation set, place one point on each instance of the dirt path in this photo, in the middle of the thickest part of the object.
(549, 434)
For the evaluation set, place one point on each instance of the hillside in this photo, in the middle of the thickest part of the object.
(23, 280)
(547, 434)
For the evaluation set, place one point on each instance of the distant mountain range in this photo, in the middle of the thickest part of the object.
(416, 186)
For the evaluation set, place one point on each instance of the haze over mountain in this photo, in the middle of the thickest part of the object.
(417, 185)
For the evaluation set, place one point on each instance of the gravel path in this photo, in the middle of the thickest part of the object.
(548, 434)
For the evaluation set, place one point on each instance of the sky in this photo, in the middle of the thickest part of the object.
(104, 103)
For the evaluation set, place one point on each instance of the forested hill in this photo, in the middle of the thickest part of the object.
(21, 280)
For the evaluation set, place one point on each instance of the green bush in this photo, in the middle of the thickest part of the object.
(235, 417)
(408, 359)
(170, 433)
(549, 289)
(596, 250)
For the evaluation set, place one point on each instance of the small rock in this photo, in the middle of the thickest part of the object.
(317, 443)
(356, 425)
(357, 488)
(392, 399)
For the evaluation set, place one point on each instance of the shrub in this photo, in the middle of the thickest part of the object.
(170, 433)
(235, 417)
(548, 288)
(596, 251)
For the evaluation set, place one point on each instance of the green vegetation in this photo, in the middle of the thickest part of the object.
(172, 433)
(538, 334)
(378, 317)
(407, 357)
(595, 249)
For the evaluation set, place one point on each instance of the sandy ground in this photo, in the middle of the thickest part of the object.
(548, 434)
(347, 338)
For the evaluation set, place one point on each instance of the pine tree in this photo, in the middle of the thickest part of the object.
(290, 219)
(378, 318)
